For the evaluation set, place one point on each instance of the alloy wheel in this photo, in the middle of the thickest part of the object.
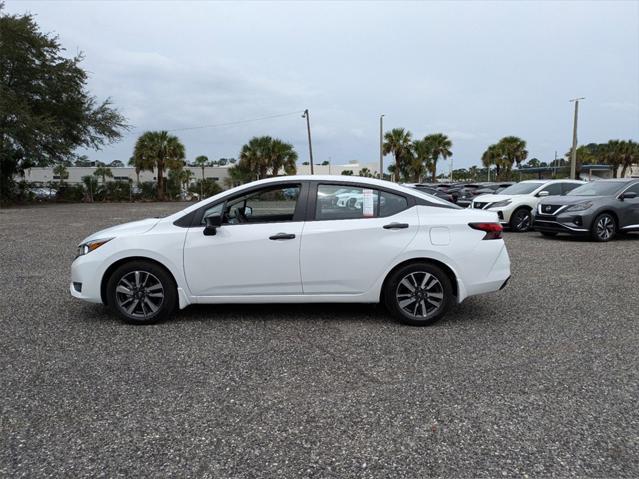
(605, 228)
(522, 221)
(139, 294)
(420, 295)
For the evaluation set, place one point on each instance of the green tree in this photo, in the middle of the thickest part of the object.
(201, 161)
(237, 176)
(513, 150)
(365, 172)
(398, 142)
(103, 172)
(186, 176)
(158, 150)
(493, 157)
(46, 112)
(347, 172)
(61, 171)
(133, 162)
(440, 145)
(533, 163)
(326, 163)
(91, 185)
(422, 160)
(264, 155)
(116, 164)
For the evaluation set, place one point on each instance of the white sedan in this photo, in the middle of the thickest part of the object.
(515, 205)
(278, 241)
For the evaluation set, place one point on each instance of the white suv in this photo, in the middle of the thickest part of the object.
(515, 204)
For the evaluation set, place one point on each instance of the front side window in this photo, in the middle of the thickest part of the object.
(337, 202)
(633, 189)
(566, 187)
(272, 204)
(598, 188)
(553, 189)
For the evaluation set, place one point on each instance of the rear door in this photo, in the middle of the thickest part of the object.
(629, 217)
(347, 246)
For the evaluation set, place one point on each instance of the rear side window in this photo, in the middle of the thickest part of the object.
(336, 202)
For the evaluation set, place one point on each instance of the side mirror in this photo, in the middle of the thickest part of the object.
(213, 222)
(628, 195)
(542, 194)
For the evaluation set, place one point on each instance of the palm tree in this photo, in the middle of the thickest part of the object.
(441, 146)
(282, 156)
(103, 172)
(612, 154)
(132, 162)
(630, 156)
(263, 154)
(201, 161)
(185, 178)
(492, 157)
(398, 141)
(513, 149)
(159, 150)
(422, 160)
(61, 171)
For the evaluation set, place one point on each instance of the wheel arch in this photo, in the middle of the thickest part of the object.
(447, 269)
(609, 211)
(109, 271)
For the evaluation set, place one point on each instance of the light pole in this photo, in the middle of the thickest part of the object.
(308, 129)
(451, 169)
(573, 152)
(381, 147)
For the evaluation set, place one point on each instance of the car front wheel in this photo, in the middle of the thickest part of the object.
(520, 220)
(418, 294)
(141, 292)
(604, 228)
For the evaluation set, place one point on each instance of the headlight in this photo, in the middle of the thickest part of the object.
(500, 204)
(89, 246)
(580, 206)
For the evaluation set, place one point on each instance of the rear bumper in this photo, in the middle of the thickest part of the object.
(496, 278)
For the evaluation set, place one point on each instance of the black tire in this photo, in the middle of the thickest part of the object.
(521, 220)
(423, 297)
(145, 287)
(549, 233)
(604, 228)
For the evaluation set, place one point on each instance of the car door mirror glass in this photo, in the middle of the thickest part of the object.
(628, 195)
(542, 194)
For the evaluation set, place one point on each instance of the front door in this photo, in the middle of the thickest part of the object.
(254, 252)
(356, 234)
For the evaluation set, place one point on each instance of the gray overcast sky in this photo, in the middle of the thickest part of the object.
(475, 71)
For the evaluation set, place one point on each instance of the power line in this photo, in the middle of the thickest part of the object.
(230, 123)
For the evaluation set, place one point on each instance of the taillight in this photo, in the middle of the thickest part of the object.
(493, 230)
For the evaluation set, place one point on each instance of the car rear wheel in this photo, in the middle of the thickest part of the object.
(604, 228)
(141, 292)
(418, 294)
(520, 220)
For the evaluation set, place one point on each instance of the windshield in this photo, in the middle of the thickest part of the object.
(521, 188)
(597, 188)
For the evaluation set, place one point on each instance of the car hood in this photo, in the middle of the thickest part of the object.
(128, 229)
(495, 198)
(568, 200)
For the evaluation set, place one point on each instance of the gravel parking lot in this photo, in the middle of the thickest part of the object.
(540, 379)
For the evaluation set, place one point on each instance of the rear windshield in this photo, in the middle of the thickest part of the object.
(598, 188)
(520, 189)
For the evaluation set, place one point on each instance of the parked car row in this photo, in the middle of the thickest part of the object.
(598, 210)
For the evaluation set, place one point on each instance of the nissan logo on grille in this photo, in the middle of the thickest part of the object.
(548, 208)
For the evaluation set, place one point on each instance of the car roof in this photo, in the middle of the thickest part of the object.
(567, 180)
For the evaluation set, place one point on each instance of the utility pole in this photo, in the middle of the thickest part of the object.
(573, 152)
(381, 147)
(451, 169)
(308, 129)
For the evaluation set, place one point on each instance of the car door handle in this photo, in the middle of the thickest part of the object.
(395, 226)
(282, 236)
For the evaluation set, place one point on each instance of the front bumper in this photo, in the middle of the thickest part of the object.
(86, 271)
(577, 225)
